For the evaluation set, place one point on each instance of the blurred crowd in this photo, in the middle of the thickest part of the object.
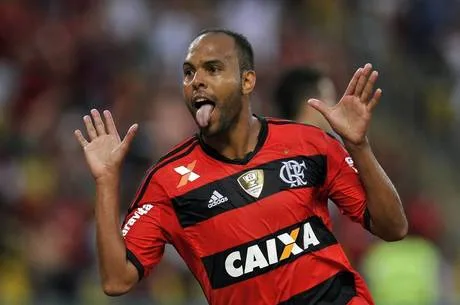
(59, 59)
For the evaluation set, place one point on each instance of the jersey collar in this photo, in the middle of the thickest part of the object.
(260, 142)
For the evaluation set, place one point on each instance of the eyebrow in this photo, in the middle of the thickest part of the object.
(208, 62)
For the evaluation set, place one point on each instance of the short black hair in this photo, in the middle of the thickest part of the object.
(294, 86)
(244, 47)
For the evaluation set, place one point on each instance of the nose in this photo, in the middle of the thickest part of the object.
(199, 81)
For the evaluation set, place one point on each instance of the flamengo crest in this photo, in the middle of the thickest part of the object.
(292, 172)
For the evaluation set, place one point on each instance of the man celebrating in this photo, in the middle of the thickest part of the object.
(244, 202)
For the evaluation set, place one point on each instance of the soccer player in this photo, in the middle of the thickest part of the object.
(244, 200)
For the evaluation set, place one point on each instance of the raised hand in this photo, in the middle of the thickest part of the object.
(105, 150)
(350, 117)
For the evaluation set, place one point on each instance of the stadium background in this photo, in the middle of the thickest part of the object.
(58, 59)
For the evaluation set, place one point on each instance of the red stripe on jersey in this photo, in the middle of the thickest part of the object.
(218, 224)
(161, 162)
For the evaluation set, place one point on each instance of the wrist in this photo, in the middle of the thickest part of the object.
(357, 147)
(111, 179)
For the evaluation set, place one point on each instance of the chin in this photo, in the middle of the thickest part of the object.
(212, 130)
(208, 131)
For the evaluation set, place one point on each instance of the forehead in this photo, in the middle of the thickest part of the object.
(212, 46)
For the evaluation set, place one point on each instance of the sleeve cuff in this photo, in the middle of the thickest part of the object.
(133, 259)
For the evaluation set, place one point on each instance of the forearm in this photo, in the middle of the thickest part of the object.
(116, 276)
(388, 220)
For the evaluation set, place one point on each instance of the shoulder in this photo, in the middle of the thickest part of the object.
(300, 131)
(293, 125)
(176, 153)
(157, 177)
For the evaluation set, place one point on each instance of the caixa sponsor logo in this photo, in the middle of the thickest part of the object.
(261, 256)
(137, 214)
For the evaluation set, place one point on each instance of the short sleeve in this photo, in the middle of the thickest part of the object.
(142, 228)
(344, 185)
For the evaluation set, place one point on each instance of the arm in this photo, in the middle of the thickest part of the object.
(104, 153)
(388, 220)
(118, 275)
(350, 118)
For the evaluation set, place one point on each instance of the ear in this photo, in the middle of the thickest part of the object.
(248, 82)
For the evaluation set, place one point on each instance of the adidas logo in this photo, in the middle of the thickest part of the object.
(216, 199)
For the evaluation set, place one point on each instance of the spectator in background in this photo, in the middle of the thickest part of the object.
(293, 90)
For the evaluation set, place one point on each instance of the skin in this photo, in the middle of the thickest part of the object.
(233, 132)
(310, 115)
(211, 68)
(350, 118)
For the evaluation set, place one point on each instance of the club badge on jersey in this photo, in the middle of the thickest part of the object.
(252, 182)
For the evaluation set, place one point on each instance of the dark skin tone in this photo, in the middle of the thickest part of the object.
(211, 69)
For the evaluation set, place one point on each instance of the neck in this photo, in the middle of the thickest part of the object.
(239, 140)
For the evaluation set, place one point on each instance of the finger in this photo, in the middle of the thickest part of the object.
(354, 80)
(90, 127)
(362, 80)
(111, 128)
(375, 99)
(81, 139)
(369, 86)
(129, 137)
(100, 128)
(320, 106)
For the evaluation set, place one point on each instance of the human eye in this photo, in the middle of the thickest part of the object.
(189, 74)
(213, 69)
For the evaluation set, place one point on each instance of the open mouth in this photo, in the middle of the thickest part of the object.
(204, 109)
(200, 101)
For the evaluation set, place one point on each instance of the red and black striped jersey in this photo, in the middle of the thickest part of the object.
(255, 230)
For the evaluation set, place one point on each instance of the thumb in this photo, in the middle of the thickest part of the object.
(320, 106)
(129, 137)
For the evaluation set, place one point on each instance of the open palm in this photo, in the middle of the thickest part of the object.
(105, 150)
(350, 117)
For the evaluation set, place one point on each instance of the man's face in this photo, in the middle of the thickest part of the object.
(212, 82)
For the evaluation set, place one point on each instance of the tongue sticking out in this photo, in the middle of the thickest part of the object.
(204, 114)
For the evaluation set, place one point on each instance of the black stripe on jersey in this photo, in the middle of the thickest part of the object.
(133, 259)
(337, 290)
(260, 256)
(278, 175)
(190, 143)
(178, 149)
(367, 220)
